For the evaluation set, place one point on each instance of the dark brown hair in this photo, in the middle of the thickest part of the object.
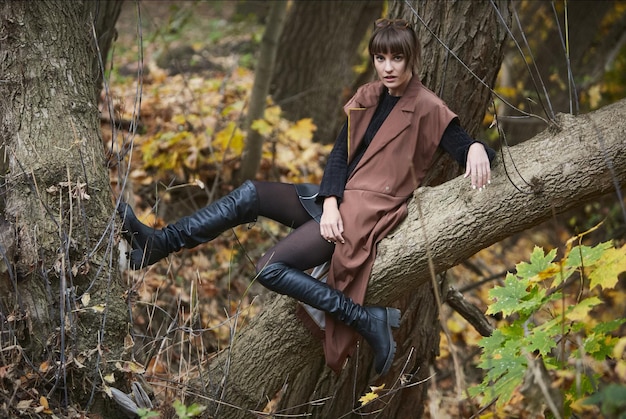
(396, 36)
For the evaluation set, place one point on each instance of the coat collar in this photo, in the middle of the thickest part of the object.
(361, 109)
(369, 95)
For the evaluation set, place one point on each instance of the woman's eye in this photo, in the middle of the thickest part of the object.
(398, 57)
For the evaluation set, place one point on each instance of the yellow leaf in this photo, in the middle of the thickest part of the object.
(179, 119)
(578, 405)
(272, 114)
(454, 325)
(45, 409)
(580, 312)
(110, 378)
(595, 95)
(131, 366)
(230, 138)
(368, 398)
(618, 349)
(377, 389)
(612, 263)
(372, 395)
(620, 369)
(302, 130)
(99, 308)
(261, 126)
(136, 367)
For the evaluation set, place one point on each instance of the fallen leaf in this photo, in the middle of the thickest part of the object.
(131, 366)
(372, 395)
(99, 308)
(44, 366)
(24, 404)
(368, 398)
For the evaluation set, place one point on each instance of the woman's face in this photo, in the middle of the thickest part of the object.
(392, 70)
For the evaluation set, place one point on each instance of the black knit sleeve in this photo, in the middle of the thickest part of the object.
(336, 171)
(456, 142)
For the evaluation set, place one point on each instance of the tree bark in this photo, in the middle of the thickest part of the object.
(314, 68)
(60, 247)
(564, 168)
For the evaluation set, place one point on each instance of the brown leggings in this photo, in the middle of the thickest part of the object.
(304, 247)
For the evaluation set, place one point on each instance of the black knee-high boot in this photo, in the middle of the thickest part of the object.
(150, 245)
(371, 322)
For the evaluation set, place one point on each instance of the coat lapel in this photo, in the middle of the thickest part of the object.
(398, 120)
(360, 111)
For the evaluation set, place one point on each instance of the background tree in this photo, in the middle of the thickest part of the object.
(62, 304)
(251, 157)
(320, 44)
(566, 72)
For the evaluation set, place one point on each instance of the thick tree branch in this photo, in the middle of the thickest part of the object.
(469, 311)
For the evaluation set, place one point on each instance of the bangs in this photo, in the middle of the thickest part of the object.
(391, 42)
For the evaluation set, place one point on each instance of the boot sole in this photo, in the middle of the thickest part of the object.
(393, 321)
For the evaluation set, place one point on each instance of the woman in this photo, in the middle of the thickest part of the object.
(393, 129)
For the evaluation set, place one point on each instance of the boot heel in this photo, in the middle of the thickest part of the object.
(393, 317)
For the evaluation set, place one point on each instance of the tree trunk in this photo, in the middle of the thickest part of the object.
(251, 157)
(314, 68)
(61, 293)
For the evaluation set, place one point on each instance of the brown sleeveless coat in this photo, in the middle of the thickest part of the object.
(376, 194)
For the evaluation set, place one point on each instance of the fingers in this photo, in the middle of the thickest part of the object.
(331, 224)
(333, 234)
(332, 231)
(480, 175)
(478, 167)
(339, 233)
(480, 178)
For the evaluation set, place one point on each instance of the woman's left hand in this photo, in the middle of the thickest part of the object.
(478, 167)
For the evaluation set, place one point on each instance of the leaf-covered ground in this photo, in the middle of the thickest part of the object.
(197, 72)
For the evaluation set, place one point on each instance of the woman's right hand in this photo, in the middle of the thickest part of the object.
(331, 224)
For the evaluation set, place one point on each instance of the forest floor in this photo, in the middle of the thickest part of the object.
(196, 72)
